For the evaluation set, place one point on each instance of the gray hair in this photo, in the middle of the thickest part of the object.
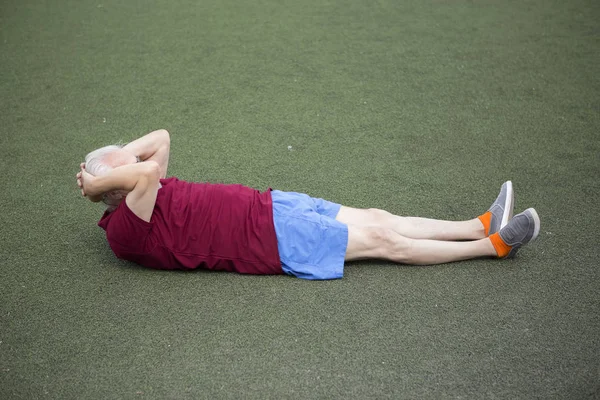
(95, 164)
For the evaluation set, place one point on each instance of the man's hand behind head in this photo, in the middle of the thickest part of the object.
(85, 181)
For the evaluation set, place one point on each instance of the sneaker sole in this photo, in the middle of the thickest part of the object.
(508, 205)
(536, 219)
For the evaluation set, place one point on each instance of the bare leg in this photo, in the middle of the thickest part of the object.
(413, 227)
(385, 243)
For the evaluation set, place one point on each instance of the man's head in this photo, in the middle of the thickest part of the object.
(101, 161)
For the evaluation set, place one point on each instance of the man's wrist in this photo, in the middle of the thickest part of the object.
(98, 186)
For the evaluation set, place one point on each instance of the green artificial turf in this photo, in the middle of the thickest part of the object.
(418, 107)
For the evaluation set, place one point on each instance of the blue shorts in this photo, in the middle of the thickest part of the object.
(311, 243)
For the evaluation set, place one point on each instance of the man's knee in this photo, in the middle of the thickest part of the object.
(380, 217)
(377, 242)
(383, 240)
(390, 244)
(378, 213)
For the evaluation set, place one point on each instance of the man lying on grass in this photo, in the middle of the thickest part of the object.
(173, 224)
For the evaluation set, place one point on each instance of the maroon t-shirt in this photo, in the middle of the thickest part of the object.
(199, 225)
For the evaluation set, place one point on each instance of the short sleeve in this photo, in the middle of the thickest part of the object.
(128, 230)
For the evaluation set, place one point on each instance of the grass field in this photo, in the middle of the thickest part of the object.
(418, 107)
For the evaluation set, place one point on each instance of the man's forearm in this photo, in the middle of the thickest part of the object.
(154, 146)
(121, 178)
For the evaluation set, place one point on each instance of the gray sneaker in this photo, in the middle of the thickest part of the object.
(522, 229)
(502, 208)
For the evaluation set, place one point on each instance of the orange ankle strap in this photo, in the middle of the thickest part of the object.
(502, 249)
(486, 220)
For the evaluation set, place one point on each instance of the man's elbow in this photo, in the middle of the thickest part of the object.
(164, 136)
(152, 170)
